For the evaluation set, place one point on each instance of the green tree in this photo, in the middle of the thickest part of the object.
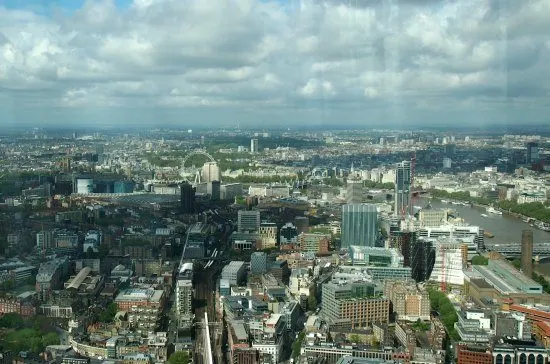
(8, 285)
(11, 320)
(109, 314)
(311, 302)
(179, 357)
(50, 338)
(480, 260)
(297, 345)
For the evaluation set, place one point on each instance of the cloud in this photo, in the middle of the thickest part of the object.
(274, 60)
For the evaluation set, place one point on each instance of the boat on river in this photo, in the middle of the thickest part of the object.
(488, 234)
(494, 211)
(542, 226)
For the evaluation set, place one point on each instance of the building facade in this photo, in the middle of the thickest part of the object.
(359, 225)
(402, 202)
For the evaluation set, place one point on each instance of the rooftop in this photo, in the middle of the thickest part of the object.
(79, 278)
(506, 279)
(138, 294)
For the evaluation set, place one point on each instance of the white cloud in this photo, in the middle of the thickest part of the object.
(254, 55)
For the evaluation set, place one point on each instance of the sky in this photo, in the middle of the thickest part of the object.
(262, 63)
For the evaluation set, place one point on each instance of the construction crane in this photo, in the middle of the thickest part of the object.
(410, 201)
(413, 166)
(443, 286)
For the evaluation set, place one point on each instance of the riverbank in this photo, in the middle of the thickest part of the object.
(506, 227)
(534, 210)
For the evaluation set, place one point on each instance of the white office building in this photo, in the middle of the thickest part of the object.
(234, 272)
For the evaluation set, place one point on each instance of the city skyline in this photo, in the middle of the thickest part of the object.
(274, 63)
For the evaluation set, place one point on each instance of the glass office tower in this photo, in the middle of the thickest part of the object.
(359, 225)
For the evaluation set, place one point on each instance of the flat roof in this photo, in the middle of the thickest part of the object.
(273, 319)
(506, 279)
(239, 330)
(79, 278)
(137, 294)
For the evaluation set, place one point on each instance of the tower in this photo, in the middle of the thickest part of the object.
(527, 252)
(254, 145)
(403, 189)
(210, 172)
(354, 191)
(187, 198)
(532, 152)
(359, 225)
(213, 189)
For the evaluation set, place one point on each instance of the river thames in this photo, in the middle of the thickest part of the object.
(506, 228)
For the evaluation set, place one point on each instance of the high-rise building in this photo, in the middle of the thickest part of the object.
(527, 252)
(354, 191)
(187, 198)
(403, 189)
(403, 242)
(210, 172)
(422, 259)
(532, 152)
(258, 263)
(449, 262)
(213, 189)
(359, 225)
(450, 150)
(254, 145)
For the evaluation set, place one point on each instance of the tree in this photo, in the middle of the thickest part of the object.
(480, 260)
(109, 314)
(311, 302)
(179, 357)
(11, 320)
(8, 285)
(297, 345)
(50, 338)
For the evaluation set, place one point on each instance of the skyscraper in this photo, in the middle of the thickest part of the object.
(354, 192)
(532, 152)
(254, 145)
(210, 172)
(187, 198)
(359, 225)
(213, 189)
(422, 259)
(403, 189)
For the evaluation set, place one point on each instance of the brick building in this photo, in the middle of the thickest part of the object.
(473, 355)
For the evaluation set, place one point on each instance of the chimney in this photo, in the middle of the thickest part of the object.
(527, 252)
